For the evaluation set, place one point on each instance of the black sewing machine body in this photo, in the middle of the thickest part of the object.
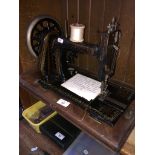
(56, 56)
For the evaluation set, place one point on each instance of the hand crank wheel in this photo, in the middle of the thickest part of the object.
(38, 29)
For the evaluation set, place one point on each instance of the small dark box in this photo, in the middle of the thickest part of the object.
(60, 130)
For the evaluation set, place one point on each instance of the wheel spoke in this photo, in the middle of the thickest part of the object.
(42, 27)
(36, 38)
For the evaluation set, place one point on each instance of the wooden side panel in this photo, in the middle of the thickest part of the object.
(130, 65)
(72, 11)
(84, 18)
(112, 9)
(27, 60)
(96, 21)
(72, 17)
(127, 28)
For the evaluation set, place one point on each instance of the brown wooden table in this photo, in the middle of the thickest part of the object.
(113, 137)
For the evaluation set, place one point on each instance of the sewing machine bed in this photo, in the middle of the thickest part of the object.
(56, 86)
(113, 106)
(108, 111)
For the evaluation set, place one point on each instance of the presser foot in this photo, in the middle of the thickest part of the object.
(103, 95)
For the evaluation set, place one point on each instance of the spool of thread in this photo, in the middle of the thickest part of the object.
(77, 32)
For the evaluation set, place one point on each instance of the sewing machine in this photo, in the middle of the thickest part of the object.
(56, 55)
